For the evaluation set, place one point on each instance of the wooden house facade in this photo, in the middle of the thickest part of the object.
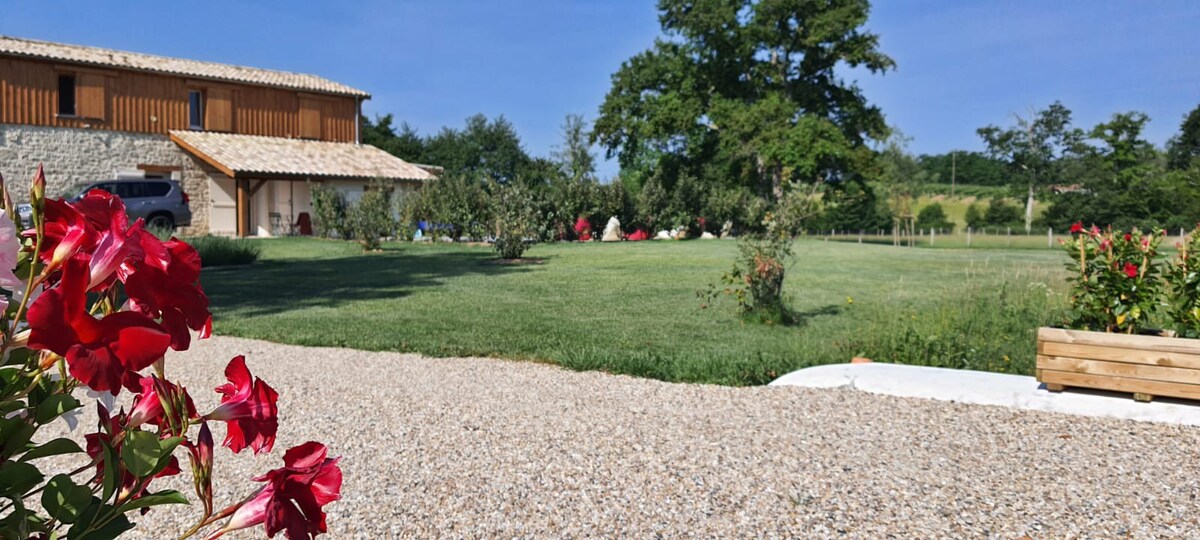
(246, 143)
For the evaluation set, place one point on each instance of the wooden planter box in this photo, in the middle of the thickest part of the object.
(1146, 366)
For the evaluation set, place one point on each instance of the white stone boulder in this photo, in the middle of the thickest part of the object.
(612, 231)
(663, 235)
(707, 236)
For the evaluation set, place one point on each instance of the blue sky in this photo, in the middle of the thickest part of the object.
(961, 64)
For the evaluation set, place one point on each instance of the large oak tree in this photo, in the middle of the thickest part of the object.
(748, 92)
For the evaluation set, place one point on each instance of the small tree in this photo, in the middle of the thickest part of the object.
(371, 217)
(517, 221)
(329, 209)
(934, 217)
(974, 217)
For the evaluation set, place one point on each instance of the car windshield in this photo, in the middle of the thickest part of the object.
(77, 191)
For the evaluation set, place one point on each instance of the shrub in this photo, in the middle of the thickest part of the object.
(1116, 279)
(456, 204)
(934, 217)
(974, 217)
(222, 251)
(149, 301)
(756, 280)
(370, 219)
(329, 211)
(1183, 279)
(1002, 214)
(517, 220)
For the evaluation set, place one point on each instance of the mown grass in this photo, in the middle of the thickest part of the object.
(632, 307)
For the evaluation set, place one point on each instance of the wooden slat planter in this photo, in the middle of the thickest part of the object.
(1146, 366)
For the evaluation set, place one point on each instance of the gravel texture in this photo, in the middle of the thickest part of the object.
(468, 447)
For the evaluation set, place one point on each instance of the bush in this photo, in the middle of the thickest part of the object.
(370, 219)
(1002, 214)
(456, 204)
(934, 217)
(517, 220)
(756, 280)
(1116, 279)
(974, 217)
(223, 251)
(329, 211)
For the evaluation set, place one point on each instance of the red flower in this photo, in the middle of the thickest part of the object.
(1077, 227)
(294, 497)
(100, 352)
(1128, 237)
(148, 406)
(1131, 270)
(66, 233)
(172, 294)
(248, 407)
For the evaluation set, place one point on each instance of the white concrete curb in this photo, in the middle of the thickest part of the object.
(983, 388)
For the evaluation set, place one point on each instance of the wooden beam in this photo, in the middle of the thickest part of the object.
(243, 207)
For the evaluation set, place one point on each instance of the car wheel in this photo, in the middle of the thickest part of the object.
(161, 221)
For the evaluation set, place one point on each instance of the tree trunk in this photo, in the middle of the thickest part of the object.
(1029, 211)
(775, 172)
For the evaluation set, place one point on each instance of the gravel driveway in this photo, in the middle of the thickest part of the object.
(469, 448)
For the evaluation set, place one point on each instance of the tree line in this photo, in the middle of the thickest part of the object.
(738, 109)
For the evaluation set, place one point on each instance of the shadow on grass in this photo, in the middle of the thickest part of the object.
(278, 286)
(790, 317)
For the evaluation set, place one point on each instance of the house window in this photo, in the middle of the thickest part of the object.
(66, 95)
(196, 110)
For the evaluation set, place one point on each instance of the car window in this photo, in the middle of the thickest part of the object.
(131, 190)
(157, 189)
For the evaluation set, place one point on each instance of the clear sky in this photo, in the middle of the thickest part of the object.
(961, 64)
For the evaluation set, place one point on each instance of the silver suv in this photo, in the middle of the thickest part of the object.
(161, 202)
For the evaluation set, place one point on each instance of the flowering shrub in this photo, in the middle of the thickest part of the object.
(756, 280)
(1184, 285)
(1116, 281)
(92, 302)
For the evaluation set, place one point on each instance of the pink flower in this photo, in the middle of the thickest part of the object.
(294, 498)
(1131, 270)
(248, 407)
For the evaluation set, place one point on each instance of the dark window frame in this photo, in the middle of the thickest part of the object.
(68, 97)
(196, 110)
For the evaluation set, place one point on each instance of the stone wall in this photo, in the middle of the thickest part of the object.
(71, 156)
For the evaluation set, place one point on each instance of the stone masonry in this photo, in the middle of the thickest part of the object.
(71, 156)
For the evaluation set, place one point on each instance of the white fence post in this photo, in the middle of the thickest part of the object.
(968, 237)
(1050, 237)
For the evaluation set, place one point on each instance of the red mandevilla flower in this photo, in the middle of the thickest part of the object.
(294, 497)
(1131, 270)
(1077, 227)
(173, 295)
(66, 233)
(101, 353)
(148, 406)
(1128, 237)
(248, 406)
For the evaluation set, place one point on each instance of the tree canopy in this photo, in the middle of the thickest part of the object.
(1183, 150)
(747, 92)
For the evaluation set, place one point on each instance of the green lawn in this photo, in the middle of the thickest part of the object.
(632, 307)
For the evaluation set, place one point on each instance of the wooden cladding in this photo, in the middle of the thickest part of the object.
(157, 103)
(310, 118)
(90, 102)
(218, 110)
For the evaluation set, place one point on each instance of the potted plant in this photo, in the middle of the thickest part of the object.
(1120, 287)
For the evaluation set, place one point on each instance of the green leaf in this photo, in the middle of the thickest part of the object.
(18, 478)
(141, 453)
(53, 448)
(87, 520)
(14, 435)
(64, 500)
(169, 496)
(110, 469)
(55, 405)
(109, 531)
(168, 446)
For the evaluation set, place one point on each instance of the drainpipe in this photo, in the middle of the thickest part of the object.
(358, 120)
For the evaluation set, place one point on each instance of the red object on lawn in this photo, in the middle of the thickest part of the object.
(638, 236)
(304, 224)
(583, 229)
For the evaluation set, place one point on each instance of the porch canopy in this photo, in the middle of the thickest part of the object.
(252, 158)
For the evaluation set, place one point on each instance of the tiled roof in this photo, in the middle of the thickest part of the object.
(251, 156)
(177, 66)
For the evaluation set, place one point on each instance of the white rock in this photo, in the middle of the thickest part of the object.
(663, 235)
(612, 231)
(707, 236)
